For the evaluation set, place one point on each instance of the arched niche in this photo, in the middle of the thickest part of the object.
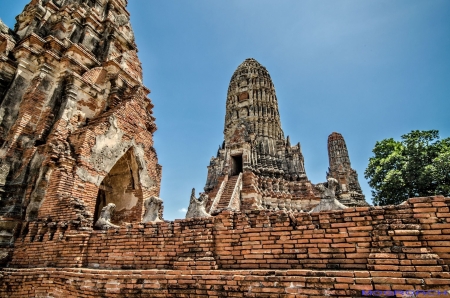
(122, 187)
(243, 96)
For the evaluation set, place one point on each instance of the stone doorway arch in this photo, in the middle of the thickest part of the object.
(122, 187)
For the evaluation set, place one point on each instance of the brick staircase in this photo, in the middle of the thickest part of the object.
(227, 192)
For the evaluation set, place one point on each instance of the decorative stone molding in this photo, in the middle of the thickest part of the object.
(254, 142)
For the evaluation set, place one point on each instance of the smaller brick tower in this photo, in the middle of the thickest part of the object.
(349, 192)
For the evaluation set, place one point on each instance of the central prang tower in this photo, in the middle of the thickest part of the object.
(256, 167)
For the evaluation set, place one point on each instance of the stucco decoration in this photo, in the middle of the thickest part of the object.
(254, 145)
(152, 209)
(328, 200)
(3, 27)
(73, 107)
(104, 222)
(108, 149)
(197, 206)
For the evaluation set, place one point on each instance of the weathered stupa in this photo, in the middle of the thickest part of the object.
(76, 124)
(256, 167)
(349, 192)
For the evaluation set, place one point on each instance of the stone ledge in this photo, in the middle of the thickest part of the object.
(76, 282)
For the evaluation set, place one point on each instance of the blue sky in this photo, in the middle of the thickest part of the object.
(367, 69)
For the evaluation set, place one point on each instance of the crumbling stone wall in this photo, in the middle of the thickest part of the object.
(336, 253)
(72, 106)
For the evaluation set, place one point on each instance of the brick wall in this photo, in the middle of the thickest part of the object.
(400, 247)
(67, 283)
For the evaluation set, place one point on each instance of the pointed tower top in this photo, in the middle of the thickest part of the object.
(350, 193)
(252, 106)
(337, 151)
(335, 136)
(250, 68)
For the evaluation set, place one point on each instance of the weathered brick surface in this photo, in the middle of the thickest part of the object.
(74, 115)
(258, 162)
(78, 134)
(278, 254)
(70, 282)
(350, 193)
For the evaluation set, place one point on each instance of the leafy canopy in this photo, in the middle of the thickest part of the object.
(416, 166)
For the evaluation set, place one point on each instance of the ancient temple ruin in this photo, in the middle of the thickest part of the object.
(79, 182)
(76, 125)
(257, 167)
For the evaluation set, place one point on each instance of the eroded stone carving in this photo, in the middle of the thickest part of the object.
(152, 209)
(65, 126)
(197, 206)
(328, 200)
(108, 149)
(328, 189)
(104, 221)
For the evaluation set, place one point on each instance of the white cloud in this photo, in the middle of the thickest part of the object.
(182, 210)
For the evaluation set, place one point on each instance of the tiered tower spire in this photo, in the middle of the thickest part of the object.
(252, 100)
(349, 191)
(254, 145)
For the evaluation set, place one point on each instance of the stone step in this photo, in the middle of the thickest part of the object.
(227, 193)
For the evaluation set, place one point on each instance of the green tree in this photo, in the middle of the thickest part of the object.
(416, 166)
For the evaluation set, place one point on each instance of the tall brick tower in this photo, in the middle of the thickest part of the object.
(256, 167)
(349, 192)
(76, 130)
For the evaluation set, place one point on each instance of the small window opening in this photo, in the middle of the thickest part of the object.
(236, 165)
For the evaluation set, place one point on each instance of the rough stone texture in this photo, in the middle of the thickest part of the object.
(104, 221)
(76, 139)
(273, 171)
(75, 283)
(328, 199)
(153, 210)
(349, 191)
(257, 253)
(197, 206)
(76, 125)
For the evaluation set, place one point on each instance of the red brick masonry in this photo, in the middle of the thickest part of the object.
(253, 254)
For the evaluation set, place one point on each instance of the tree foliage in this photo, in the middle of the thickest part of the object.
(416, 166)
